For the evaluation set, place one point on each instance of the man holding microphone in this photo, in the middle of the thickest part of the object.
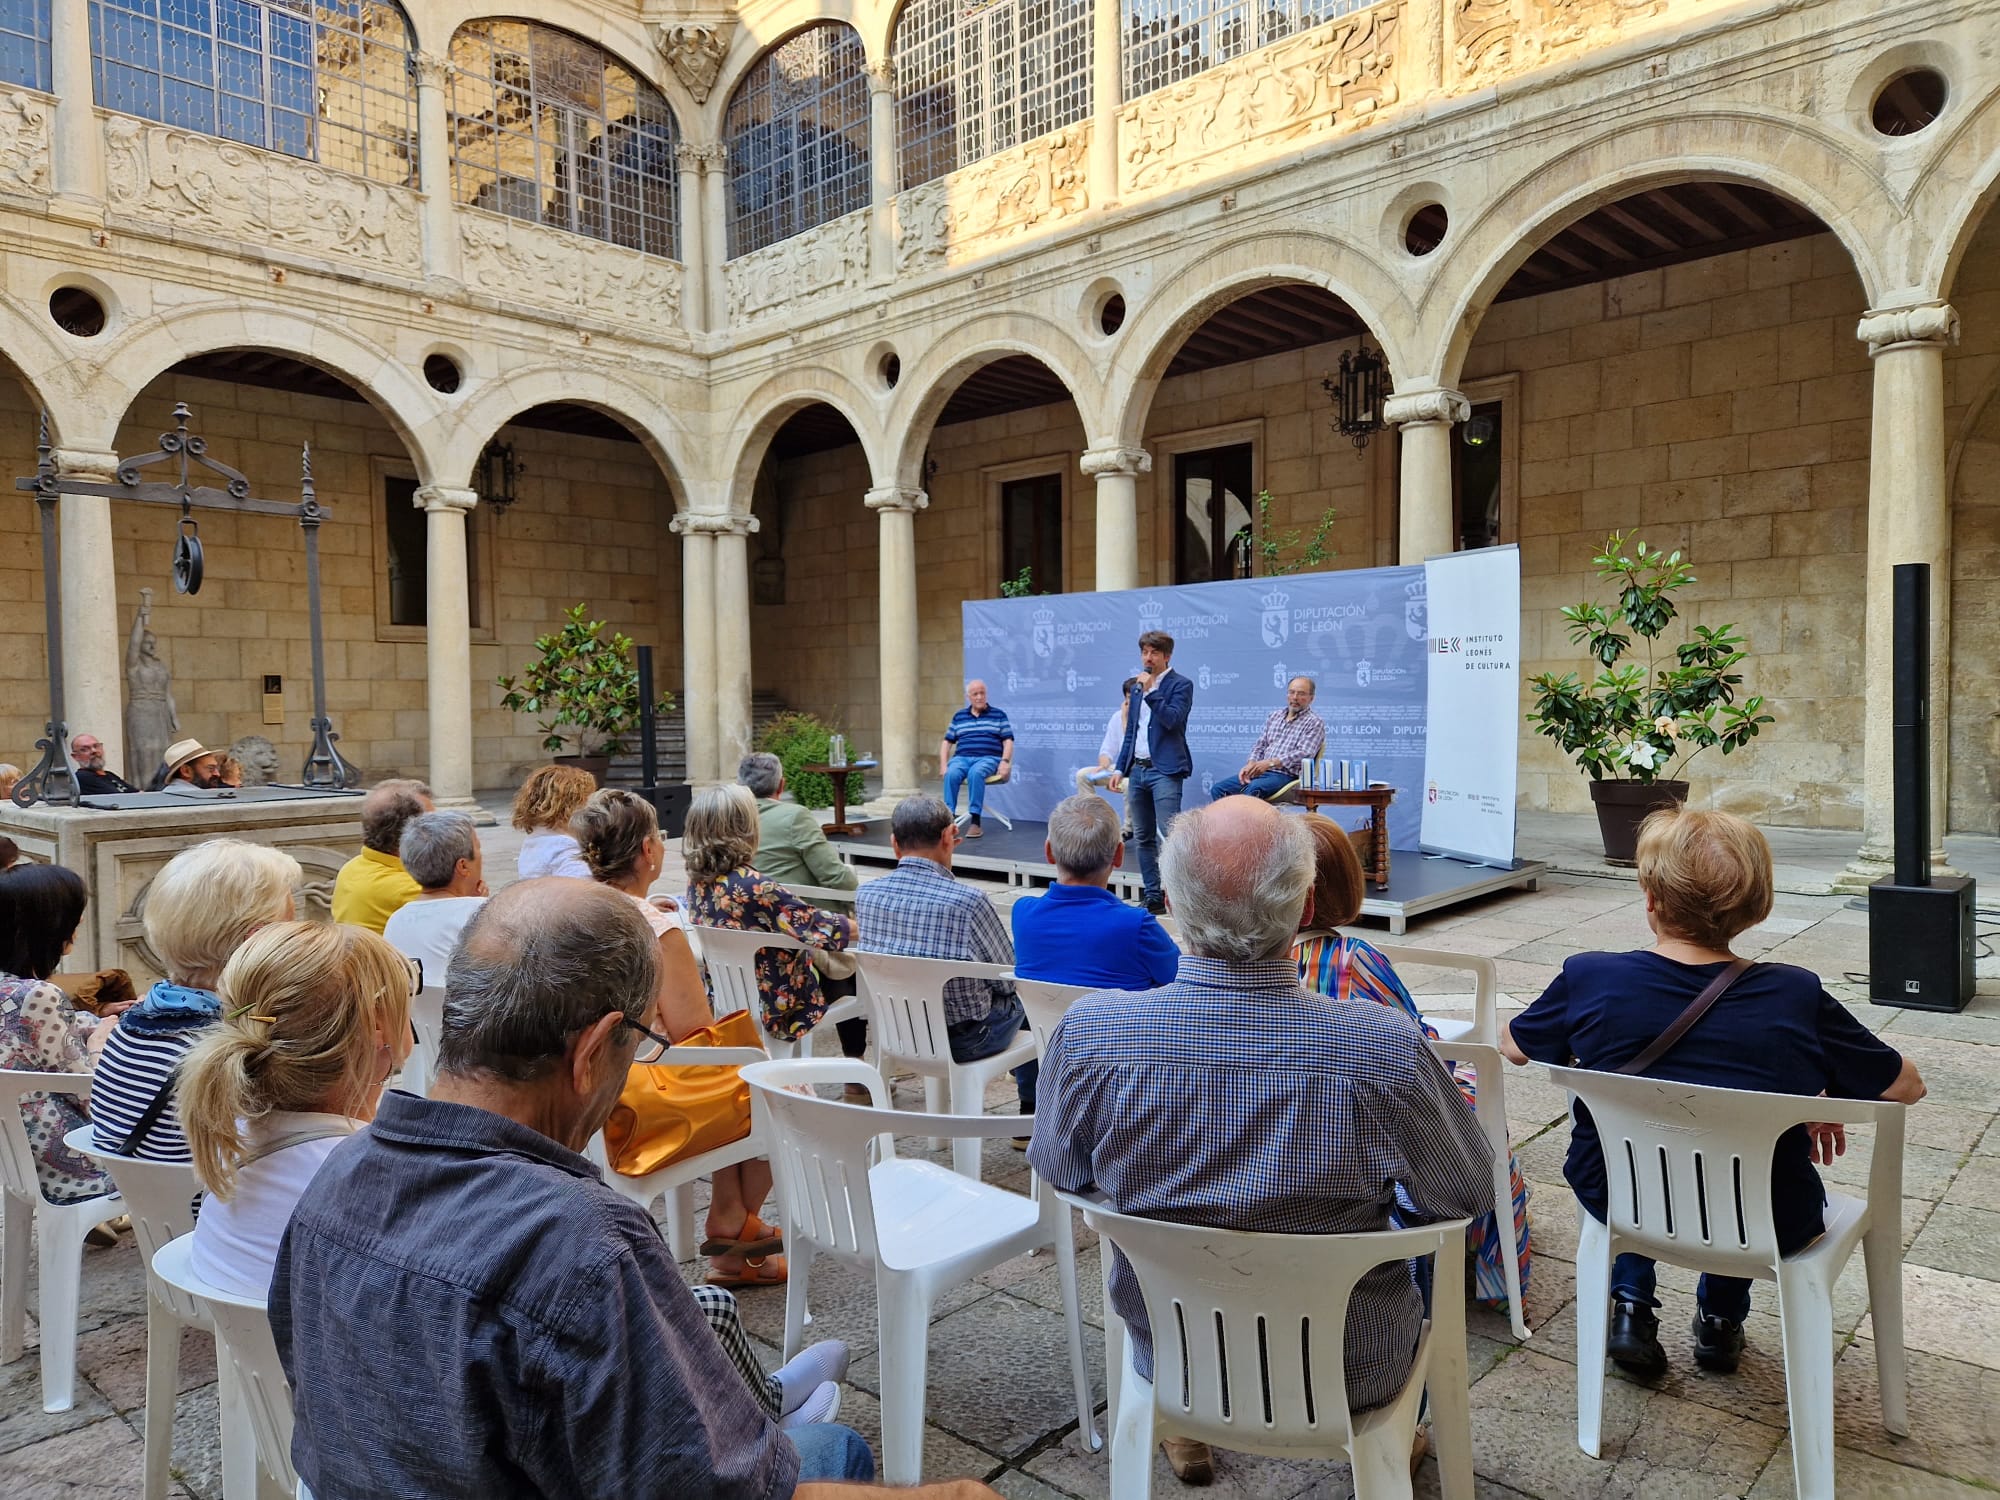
(1154, 759)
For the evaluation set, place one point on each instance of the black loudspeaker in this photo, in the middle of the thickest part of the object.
(671, 803)
(1922, 934)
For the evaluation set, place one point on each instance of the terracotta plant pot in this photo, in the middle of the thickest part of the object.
(599, 766)
(1622, 806)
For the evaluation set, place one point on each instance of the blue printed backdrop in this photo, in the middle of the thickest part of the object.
(1055, 662)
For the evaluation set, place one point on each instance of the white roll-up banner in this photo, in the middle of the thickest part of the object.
(1474, 692)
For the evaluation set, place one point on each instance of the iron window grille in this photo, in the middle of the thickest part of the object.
(1168, 40)
(797, 133)
(24, 44)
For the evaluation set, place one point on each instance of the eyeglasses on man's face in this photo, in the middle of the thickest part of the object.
(647, 1034)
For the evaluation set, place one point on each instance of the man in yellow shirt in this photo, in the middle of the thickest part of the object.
(373, 885)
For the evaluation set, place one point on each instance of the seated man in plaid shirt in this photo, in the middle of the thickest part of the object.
(920, 910)
(1238, 1098)
(1292, 735)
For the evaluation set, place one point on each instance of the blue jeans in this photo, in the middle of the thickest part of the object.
(1632, 1280)
(1155, 801)
(1263, 787)
(993, 1032)
(829, 1453)
(964, 771)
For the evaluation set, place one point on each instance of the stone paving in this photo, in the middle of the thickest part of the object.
(999, 1402)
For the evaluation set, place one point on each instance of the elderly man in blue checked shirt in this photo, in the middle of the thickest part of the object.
(1237, 1097)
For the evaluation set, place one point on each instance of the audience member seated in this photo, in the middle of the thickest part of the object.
(1347, 968)
(920, 910)
(1238, 1098)
(559, 1353)
(40, 908)
(619, 834)
(726, 889)
(10, 777)
(548, 799)
(92, 779)
(1077, 932)
(442, 854)
(10, 853)
(315, 1018)
(373, 885)
(1706, 877)
(202, 906)
(189, 762)
(229, 772)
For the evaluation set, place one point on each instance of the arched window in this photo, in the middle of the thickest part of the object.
(552, 129)
(24, 44)
(797, 132)
(1168, 40)
(972, 80)
(328, 80)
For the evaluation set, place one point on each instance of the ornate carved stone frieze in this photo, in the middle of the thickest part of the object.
(993, 200)
(1408, 408)
(1097, 462)
(1489, 38)
(694, 50)
(24, 141)
(823, 259)
(554, 269)
(198, 182)
(705, 523)
(1308, 87)
(891, 498)
(1933, 323)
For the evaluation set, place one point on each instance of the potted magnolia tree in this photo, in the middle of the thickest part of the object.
(1637, 724)
(584, 688)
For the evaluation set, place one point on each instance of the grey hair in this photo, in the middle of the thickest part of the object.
(1083, 835)
(720, 833)
(536, 964)
(762, 772)
(919, 822)
(434, 843)
(1237, 893)
(389, 806)
(1311, 686)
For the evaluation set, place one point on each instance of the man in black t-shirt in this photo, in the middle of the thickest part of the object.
(92, 779)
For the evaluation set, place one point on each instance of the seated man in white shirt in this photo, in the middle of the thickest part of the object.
(1105, 773)
(441, 852)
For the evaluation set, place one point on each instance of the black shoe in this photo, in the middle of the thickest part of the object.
(1157, 908)
(1718, 1343)
(1634, 1345)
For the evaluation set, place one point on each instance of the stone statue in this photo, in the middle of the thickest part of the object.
(259, 759)
(151, 720)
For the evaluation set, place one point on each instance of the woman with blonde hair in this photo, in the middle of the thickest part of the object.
(199, 910)
(548, 799)
(315, 1019)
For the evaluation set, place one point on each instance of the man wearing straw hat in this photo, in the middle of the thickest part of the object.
(188, 761)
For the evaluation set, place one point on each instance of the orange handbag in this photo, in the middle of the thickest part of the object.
(668, 1111)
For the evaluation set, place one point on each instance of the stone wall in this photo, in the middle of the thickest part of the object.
(1972, 418)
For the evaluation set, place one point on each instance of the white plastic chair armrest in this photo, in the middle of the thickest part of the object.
(680, 1057)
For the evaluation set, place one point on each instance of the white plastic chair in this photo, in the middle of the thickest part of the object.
(905, 999)
(427, 1021)
(731, 959)
(57, 1230)
(918, 1228)
(1484, 1027)
(243, 1341)
(1046, 1004)
(1689, 1175)
(1249, 1350)
(960, 819)
(1490, 1070)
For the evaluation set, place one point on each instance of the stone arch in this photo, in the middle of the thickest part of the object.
(923, 391)
(55, 379)
(624, 36)
(1958, 187)
(500, 401)
(767, 408)
(766, 27)
(1188, 297)
(1789, 157)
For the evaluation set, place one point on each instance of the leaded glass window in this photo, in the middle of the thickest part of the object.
(552, 129)
(24, 43)
(1168, 40)
(327, 80)
(797, 132)
(973, 79)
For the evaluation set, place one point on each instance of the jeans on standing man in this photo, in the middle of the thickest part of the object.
(1155, 799)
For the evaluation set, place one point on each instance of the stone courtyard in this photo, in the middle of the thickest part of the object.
(999, 1405)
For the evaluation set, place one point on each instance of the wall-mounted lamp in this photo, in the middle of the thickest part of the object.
(495, 474)
(1357, 394)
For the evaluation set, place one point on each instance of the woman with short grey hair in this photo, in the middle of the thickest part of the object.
(441, 851)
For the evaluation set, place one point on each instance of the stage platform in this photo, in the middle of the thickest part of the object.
(1418, 883)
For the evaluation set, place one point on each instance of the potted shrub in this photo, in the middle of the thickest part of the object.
(584, 687)
(1635, 727)
(802, 739)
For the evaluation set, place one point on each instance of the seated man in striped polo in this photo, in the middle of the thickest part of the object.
(978, 744)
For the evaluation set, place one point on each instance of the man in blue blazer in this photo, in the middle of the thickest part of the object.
(1154, 759)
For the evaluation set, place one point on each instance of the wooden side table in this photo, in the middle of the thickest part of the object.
(838, 775)
(1376, 799)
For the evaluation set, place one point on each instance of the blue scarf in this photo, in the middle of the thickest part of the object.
(168, 1007)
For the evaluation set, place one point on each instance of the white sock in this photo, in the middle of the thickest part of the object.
(823, 1405)
(815, 1366)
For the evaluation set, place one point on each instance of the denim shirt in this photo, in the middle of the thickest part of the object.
(465, 1309)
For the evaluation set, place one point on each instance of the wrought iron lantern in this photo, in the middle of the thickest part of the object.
(495, 476)
(1357, 394)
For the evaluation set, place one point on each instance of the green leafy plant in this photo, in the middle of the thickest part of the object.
(802, 739)
(1019, 586)
(582, 685)
(1645, 723)
(1273, 546)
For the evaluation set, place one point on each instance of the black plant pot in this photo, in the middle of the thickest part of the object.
(599, 766)
(1622, 806)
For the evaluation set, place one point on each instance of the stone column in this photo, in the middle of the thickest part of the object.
(1117, 472)
(1107, 93)
(732, 640)
(92, 632)
(899, 642)
(448, 640)
(882, 165)
(1909, 520)
(688, 161)
(698, 643)
(76, 153)
(1425, 418)
(434, 168)
(715, 231)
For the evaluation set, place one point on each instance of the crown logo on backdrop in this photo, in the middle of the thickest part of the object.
(1151, 611)
(1276, 599)
(1414, 590)
(1044, 615)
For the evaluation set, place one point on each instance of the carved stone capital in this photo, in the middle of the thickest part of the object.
(889, 497)
(735, 525)
(1411, 408)
(706, 524)
(1097, 462)
(694, 50)
(449, 497)
(882, 75)
(87, 465)
(714, 156)
(433, 69)
(1887, 328)
(689, 157)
